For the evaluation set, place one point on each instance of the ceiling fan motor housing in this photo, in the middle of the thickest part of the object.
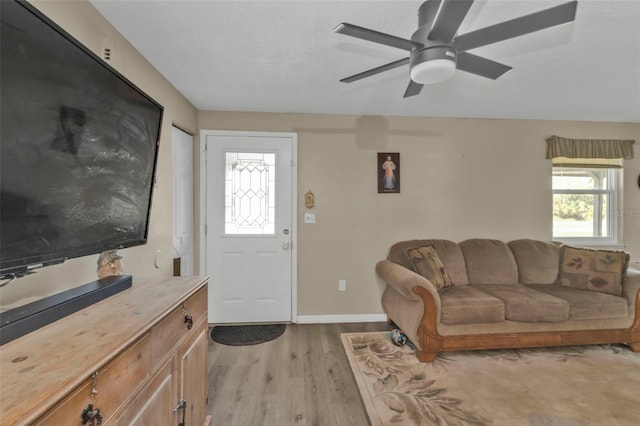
(433, 64)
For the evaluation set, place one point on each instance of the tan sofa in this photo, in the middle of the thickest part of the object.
(505, 295)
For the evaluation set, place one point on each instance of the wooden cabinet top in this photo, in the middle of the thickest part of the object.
(40, 368)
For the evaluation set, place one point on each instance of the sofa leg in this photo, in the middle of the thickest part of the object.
(635, 346)
(426, 356)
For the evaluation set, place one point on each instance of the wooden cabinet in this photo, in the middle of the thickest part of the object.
(139, 357)
(181, 384)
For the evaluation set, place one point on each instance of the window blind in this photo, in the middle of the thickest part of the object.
(593, 163)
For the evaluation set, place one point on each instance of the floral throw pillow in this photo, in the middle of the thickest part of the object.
(595, 270)
(426, 262)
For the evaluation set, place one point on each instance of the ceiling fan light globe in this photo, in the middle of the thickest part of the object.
(433, 64)
(433, 71)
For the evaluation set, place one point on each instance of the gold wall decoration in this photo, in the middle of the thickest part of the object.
(309, 200)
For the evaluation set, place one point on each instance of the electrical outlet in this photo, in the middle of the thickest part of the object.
(342, 285)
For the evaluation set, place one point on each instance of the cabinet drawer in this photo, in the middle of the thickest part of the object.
(172, 329)
(114, 384)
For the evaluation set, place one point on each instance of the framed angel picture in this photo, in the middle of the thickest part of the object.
(388, 172)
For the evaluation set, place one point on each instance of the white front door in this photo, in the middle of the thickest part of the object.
(248, 182)
(182, 144)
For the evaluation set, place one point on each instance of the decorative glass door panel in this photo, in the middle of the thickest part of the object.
(250, 196)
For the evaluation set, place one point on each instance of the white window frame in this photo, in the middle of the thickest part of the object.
(614, 191)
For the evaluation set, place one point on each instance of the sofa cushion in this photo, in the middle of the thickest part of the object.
(538, 261)
(522, 303)
(448, 251)
(426, 262)
(595, 270)
(587, 305)
(468, 305)
(489, 262)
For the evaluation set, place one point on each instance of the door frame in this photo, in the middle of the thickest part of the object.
(294, 203)
(193, 208)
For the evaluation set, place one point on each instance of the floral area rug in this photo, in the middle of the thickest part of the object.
(563, 386)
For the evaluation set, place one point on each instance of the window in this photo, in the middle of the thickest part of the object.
(587, 188)
(585, 202)
(249, 206)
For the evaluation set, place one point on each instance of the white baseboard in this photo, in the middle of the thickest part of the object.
(330, 319)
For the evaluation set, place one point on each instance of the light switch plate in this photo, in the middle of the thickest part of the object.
(309, 218)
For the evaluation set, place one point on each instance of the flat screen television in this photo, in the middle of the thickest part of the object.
(78, 146)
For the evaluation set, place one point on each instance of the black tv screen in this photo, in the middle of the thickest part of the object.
(78, 145)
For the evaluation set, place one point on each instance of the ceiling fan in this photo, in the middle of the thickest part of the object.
(435, 49)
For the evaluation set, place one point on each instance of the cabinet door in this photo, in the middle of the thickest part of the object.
(193, 378)
(154, 405)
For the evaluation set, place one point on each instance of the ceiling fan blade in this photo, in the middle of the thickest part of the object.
(481, 66)
(376, 36)
(412, 89)
(516, 27)
(427, 13)
(451, 15)
(377, 70)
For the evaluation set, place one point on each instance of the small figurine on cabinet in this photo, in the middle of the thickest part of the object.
(110, 263)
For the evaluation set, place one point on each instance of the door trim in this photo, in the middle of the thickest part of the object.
(294, 203)
(192, 218)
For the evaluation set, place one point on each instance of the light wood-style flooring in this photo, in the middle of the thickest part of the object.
(300, 378)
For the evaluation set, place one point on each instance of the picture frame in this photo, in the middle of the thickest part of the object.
(388, 173)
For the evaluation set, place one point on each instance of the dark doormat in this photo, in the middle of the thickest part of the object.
(242, 335)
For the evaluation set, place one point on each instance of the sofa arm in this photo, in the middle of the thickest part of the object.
(631, 287)
(404, 280)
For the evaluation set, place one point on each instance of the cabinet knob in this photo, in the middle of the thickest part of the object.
(188, 319)
(91, 416)
(94, 384)
(182, 405)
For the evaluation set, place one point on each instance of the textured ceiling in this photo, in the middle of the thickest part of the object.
(282, 56)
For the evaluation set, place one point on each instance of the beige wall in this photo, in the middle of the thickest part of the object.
(460, 178)
(84, 22)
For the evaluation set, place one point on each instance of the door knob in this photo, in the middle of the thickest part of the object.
(285, 245)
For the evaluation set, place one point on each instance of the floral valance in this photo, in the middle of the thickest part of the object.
(589, 148)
